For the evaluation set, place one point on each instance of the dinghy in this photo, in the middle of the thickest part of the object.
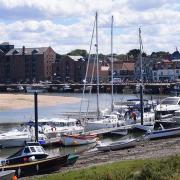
(122, 144)
(78, 139)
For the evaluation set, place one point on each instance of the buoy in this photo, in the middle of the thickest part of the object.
(14, 178)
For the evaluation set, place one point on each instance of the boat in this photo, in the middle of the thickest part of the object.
(15, 138)
(161, 132)
(31, 160)
(117, 145)
(7, 175)
(36, 88)
(66, 126)
(43, 166)
(106, 121)
(31, 151)
(177, 117)
(72, 159)
(167, 107)
(78, 139)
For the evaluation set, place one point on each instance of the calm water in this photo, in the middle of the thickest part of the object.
(58, 111)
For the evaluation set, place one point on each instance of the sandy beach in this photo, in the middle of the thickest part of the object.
(20, 101)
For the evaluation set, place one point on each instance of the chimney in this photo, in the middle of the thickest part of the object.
(23, 50)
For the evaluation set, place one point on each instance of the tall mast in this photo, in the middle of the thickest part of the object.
(141, 77)
(112, 68)
(97, 71)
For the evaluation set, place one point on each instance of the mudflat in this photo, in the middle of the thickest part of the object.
(21, 101)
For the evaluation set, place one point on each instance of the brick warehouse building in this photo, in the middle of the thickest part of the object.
(27, 64)
(69, 68)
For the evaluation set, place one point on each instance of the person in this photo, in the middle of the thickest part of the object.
(133, 115)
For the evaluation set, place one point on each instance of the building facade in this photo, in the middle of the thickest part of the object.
(27, 64)
(69, 68)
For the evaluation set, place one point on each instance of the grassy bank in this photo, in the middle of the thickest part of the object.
(159, 169)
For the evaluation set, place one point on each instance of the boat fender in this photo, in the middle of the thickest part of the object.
(14, 177)
(32, 158)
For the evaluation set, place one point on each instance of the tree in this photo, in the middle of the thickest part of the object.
(135, 53)
(78, 52)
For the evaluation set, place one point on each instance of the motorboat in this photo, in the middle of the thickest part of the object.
(15, 138)
(7, 175)
(66, 125)
(106, 121)
(78, 139)
(167, 107)
(36, 88)
(31, 160)
(161, 132)
(31, 151)
(133, 116)
(117, 145)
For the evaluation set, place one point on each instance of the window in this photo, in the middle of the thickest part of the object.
(32, 149)
(26, 150)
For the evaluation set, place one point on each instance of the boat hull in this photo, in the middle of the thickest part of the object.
(7, 175)
(117, 145)
(37, 167)
(77, 140)
(6, 143)
(164, 133)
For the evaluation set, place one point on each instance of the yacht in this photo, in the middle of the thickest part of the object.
(167, 107)
(107, 121)
(66, 125)
(15, 138)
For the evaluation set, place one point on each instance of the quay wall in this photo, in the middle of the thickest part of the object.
(151, 88)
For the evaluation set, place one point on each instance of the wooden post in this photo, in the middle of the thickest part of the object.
(36, 115)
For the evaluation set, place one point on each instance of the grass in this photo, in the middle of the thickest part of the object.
(159, 169)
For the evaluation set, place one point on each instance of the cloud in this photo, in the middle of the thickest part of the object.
(67, 24)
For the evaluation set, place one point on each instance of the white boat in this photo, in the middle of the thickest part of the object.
(176, 117)
(66, 125)
(122, 144)
(167, 107)
(107, 121)
(36, 88)
(14, 138)
(162, 133)
(78, 139)
(7, 175)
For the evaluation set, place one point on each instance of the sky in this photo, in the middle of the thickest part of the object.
(66, 25)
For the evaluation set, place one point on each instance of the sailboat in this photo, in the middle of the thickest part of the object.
(149, 116)
(110, 120)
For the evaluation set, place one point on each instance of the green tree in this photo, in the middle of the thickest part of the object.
(78, 52)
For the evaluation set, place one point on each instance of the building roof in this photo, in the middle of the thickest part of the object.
(166, 61)
(75, 58)
(128, 66)
(28, 51)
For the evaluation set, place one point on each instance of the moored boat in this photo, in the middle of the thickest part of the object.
(32, 160)
(122, 144)
(78, 139)
(14, 138)
(43, 166)
(163, 133)
(7, 175)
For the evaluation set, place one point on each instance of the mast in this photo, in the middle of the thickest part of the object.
(112, 68)
(141, 78)
(97, 70)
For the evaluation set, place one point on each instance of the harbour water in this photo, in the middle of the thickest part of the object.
(58, 111)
